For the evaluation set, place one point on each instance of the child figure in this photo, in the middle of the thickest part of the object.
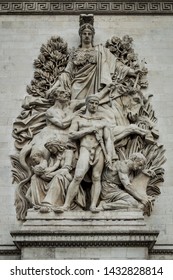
(39, 163)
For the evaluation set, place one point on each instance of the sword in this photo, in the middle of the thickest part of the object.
(100, 140)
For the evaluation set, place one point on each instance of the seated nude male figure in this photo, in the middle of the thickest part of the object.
(90, 129)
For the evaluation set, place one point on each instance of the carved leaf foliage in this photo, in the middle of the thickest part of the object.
(18, 172)
(50, 63)
(146, 119)
(123, 50)
(20, 176)
(21, 203)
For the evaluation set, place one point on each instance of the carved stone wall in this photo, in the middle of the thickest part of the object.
(22, 37)
(77, 7)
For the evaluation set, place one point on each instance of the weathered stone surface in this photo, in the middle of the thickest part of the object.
(80, 221)
(153, 40)
(90, 236)
(85, 253)
(87, 123)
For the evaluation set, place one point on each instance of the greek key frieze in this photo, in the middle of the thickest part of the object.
(97, 7)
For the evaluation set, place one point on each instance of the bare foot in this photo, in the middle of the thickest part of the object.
(60, 209)
(94, 209)
(45, 209)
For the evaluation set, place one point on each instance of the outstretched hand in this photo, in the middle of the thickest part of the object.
(112, 86)
(108, 163)
(148, 204)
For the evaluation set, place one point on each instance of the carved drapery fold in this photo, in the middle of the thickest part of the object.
(87, 136)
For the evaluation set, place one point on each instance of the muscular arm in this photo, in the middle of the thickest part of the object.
(123, 174)
(132, 192)
(108, 141)
(124, 178)
(75, 133)
(121, 132)
(58, 121)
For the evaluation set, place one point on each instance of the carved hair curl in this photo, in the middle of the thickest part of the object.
(86, 26)
(91, 97)
(59, 145)
(56, 91)
(138, 157)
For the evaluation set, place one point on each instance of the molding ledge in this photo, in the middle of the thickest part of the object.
(162, 249)
(98, 7)
(9, 250)
(84, 229)
(85, 239)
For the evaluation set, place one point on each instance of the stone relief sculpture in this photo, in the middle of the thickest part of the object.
(87, 124)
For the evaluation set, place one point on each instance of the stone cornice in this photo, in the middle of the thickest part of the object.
(99, 7)
(9, 250)
(162, 249)
(13, 250)
(84, 239)
(161, 252)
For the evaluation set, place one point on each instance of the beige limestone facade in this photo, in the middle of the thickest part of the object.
(21, 39)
